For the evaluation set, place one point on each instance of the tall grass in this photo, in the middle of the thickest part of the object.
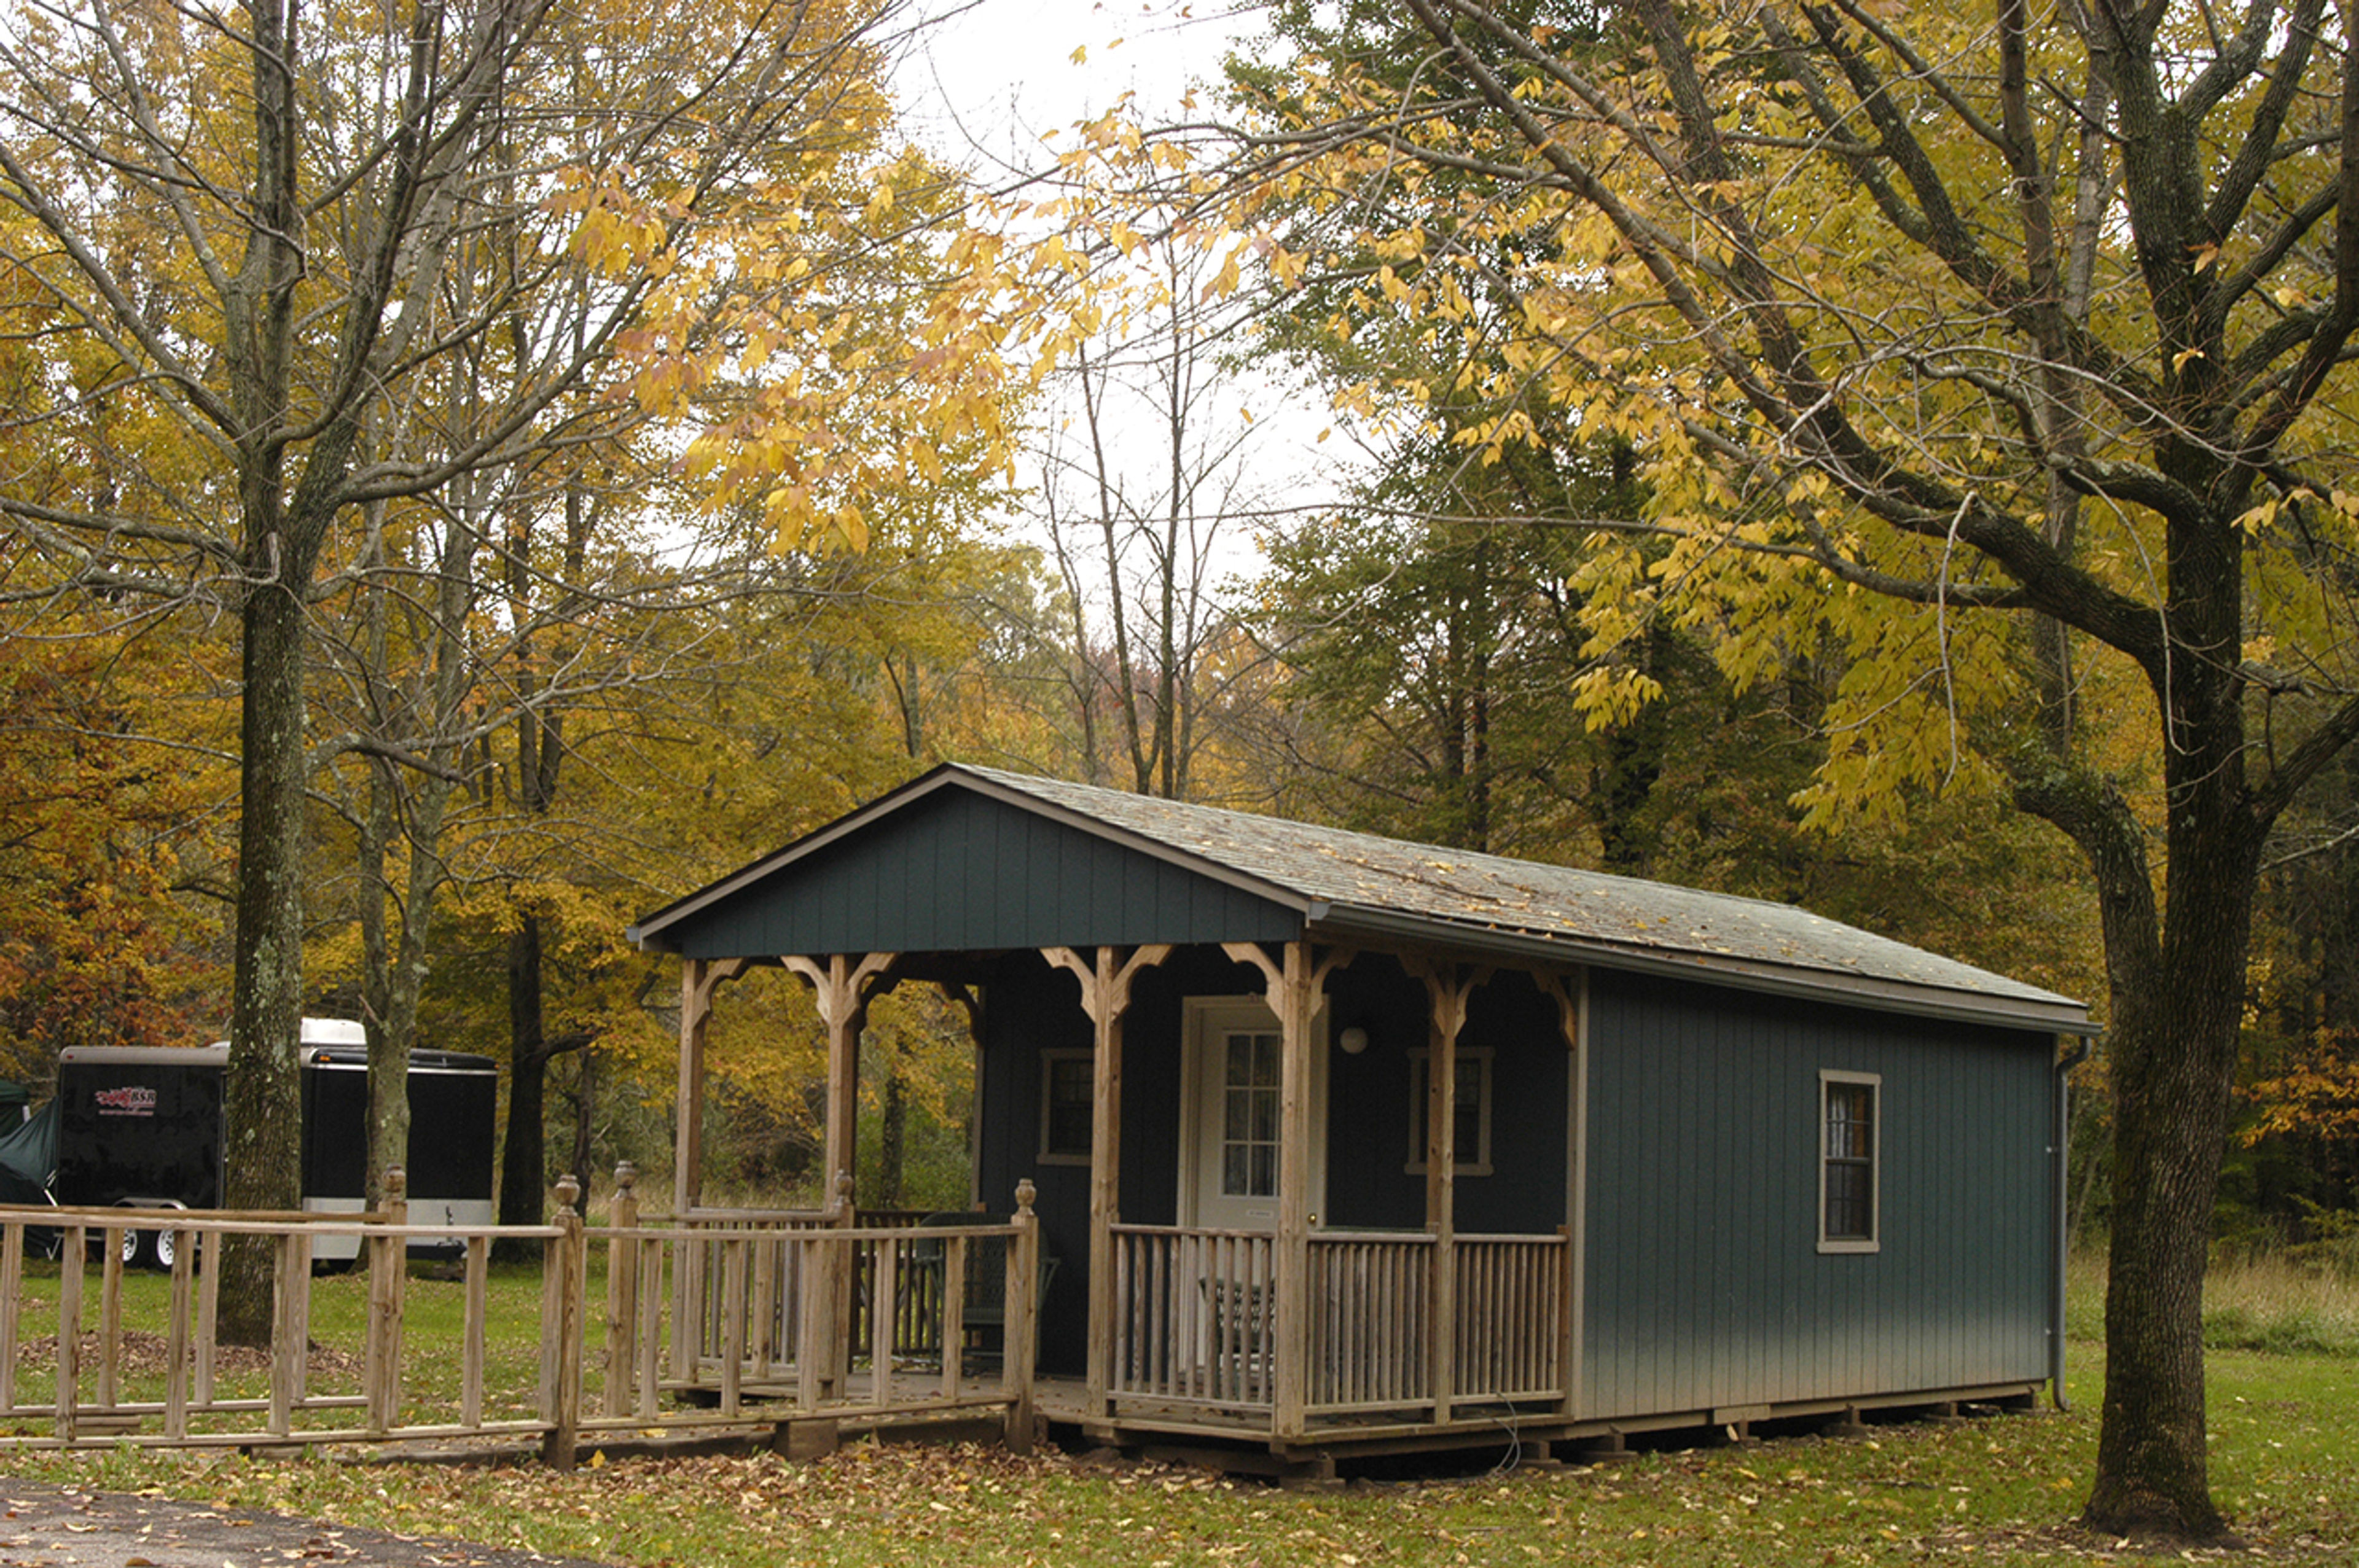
(2271, 1303)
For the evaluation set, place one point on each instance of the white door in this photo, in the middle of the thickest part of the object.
(1230, 1151)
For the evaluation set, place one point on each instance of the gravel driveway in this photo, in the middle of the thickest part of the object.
(65, 1527)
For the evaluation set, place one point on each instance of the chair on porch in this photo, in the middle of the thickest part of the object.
(983, 1312)
(1234, 1337)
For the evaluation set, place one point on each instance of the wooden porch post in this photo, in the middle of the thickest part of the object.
(699, 978)
(842, 991)
(1105, 996)
(1448, 986)
(1294, 988)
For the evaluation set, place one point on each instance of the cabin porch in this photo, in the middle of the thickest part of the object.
(1226, 1308)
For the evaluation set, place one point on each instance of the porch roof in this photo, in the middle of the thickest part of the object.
(1087, 865)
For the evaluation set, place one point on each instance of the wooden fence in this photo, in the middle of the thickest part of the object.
(787, 1322)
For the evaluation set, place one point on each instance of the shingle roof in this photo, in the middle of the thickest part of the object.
(1360, 887)
(1484, 897)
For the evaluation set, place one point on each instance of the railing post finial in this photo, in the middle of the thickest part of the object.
(626, 1177)
(569, 1195)
(844, 1189)
(1025, 1194)
(396, 1184)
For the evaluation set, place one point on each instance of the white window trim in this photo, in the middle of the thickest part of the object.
(1421, 1089)
(1874, 1241)
(1048, 1077)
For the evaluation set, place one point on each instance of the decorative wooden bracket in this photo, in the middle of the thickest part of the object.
(1105, 985)
(1561, 990)
(1450, 985)
(1273, 971)
(701, 978)
(843, 991)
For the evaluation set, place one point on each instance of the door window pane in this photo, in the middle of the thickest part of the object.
(1249, 1097)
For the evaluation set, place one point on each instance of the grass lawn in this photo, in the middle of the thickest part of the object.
(2000, 1488)
(2003, 1488)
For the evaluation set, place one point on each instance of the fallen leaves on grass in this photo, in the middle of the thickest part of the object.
(144, 1355)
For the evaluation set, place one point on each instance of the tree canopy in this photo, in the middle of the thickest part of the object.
(1997, 360)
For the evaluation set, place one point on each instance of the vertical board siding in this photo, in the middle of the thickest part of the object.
(958, 871)
(1706, 1284)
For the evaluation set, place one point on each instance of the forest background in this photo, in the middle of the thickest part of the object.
(682, 526)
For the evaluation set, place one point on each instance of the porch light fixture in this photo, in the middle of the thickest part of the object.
(1352, 1040)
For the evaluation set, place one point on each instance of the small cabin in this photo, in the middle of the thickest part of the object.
(1344, 1145)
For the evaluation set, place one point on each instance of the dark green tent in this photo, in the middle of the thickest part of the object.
(28, 1155)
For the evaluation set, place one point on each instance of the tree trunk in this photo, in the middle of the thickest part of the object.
(585, 1119)
(892, 1137)
(2174, 1052)
(524, 1153)
(264, 1111)
(2175, 972)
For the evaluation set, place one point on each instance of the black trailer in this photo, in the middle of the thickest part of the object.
(141, 1126)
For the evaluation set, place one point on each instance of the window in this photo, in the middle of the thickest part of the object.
(1847, 1156)
(1249, 1110)
(1473, 1132)
(1068, 1107)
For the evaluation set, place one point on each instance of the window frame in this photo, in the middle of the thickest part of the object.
(1829, 1079)
(1047, 1154)
(1421, 1090)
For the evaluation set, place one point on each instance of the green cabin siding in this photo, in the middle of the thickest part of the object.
(1704, 1284)
(957, 872)
(1030, 1008)
(1369, 1117)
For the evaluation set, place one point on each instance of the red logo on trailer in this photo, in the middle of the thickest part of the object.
(136, 1100)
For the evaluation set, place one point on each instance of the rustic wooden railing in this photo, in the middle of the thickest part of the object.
(1194, 1326)
(913, 1299)
(1513, 1307)
(1371, 1322)
(556, 1372)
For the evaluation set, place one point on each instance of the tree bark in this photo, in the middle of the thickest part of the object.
(264, 1111)
(523, 1154)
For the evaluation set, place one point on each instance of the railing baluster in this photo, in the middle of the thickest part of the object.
(175, 1336)
(286, 1348)
(12, 1303)
(70, 1263)
(476, 1328)
(622, 1290)
(110, 1318)
(884, 1319)
(388, 1263)
(208, 1313)
(737, 1306)
(954, 1261)
(649, 1346)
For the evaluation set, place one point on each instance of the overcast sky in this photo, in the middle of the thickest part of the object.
(994, 75)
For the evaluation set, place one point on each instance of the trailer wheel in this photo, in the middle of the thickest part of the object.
(165, 1247)
(133, 1248)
